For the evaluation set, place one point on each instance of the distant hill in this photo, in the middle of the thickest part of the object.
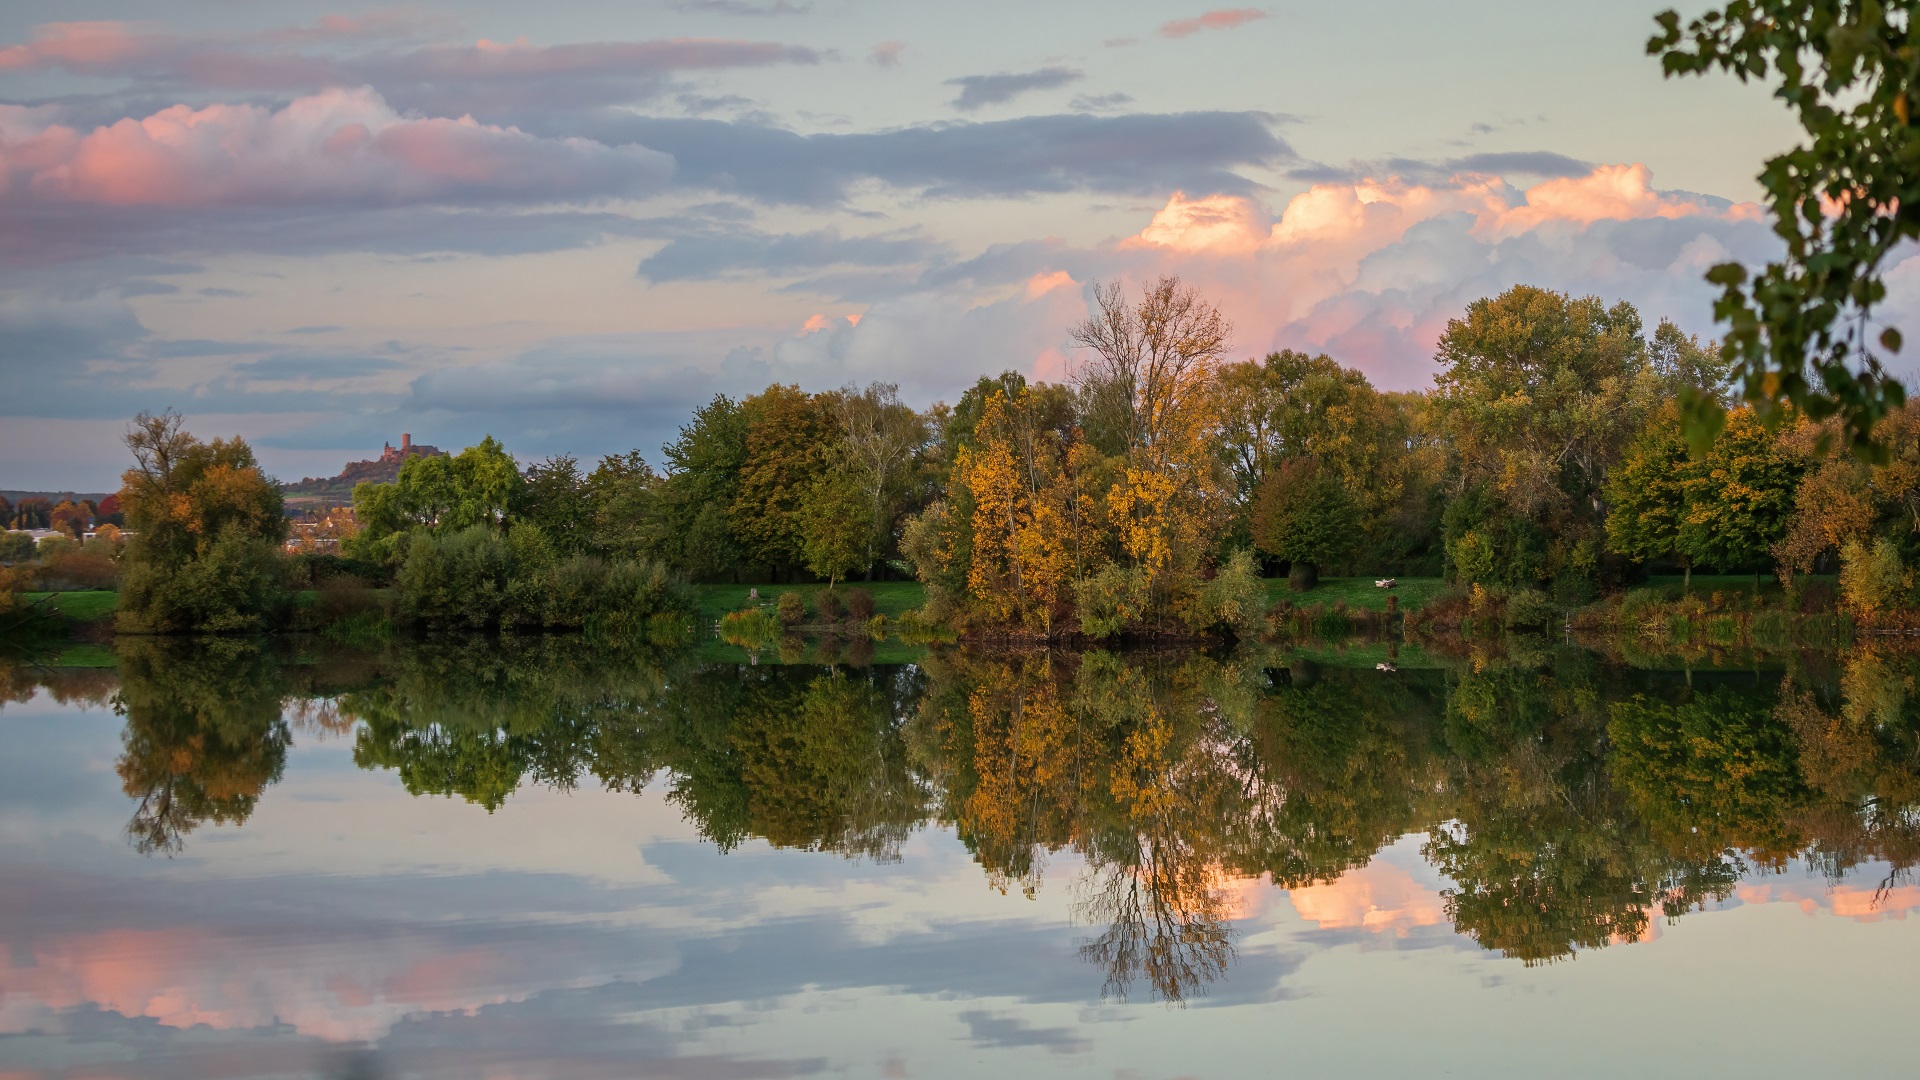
(55, 497)
(339, 489)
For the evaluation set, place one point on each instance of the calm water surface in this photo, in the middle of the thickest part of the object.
(523, 860)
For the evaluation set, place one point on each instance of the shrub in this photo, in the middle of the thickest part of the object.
(860, 604)
(792, 608)
(1111, 600)
(828, 604)
(236, 585)
(1236, 597)
(1871, 579)
(749, 629)
(1530, 609)
(71, 566)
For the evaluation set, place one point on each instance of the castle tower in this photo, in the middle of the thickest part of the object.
(406, 444)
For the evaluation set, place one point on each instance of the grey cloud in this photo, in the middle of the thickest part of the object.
(989, 1030)
(715, 254)
(979, 91)
(1537, 163)
(314, 367)
(1135, 154)
(1099, 102)
(315, 329)
(742, 7)
(467, 78)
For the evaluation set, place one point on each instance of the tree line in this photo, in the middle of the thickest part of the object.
(1148, 494)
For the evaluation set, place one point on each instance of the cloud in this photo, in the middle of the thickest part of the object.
(989, 1031)
(437, 78)
(979, 91)
(1099, 102)
(1219, 19)
(887, 53)
(714, 254)
(742, 7)
(1134, 154)
(334, 147)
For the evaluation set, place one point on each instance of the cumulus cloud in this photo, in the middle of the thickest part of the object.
(979, 91)
(337, 146)
(1218, 19)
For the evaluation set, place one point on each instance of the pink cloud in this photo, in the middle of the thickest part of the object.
(334, 146)
(887, 53)
(78, 46)
(1378, 897)
(1219, 19)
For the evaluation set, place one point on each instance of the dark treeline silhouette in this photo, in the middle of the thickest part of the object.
(1568, 800)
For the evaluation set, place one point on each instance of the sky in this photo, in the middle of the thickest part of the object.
(568, 224)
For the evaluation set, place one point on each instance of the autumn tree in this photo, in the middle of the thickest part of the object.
(1294, 407)
(790, 441)
(1739, 497)
(1538, 396)
(207, 525)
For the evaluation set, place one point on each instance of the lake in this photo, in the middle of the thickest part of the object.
(521, 859)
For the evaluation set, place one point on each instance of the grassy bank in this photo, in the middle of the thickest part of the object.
(1358, 592)
(92, 605)
(890, 598)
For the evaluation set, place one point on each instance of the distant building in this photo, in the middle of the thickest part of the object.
(392, 455)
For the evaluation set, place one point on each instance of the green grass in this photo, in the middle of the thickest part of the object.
(1359, 592)
(890, 598)
(90, 605)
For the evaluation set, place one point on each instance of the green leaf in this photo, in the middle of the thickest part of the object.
(1890, 339)
(1727, 274)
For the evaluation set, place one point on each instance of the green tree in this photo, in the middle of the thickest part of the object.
(480, 485)
(1304, 515)
(1647, 495)
(702, 483)
(836, 526)
(1842, 201)
(790, 442)
(1739, 498)
(559, 501)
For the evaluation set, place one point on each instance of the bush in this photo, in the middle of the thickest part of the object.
(71, 566)
(752, 628)
(828, 604)
(16, 547)
(1871, 579)
(236, 585)
(1236, 598)
(1530, 609)
(1112, 600)
(792, 608)
(860, 604)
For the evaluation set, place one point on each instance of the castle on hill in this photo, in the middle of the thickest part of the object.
(392, 455)
(381, 470)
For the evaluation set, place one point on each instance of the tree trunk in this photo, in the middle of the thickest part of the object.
(1686, 581)
(1303, 576)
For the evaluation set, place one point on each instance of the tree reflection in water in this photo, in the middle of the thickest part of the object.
(1568, 801)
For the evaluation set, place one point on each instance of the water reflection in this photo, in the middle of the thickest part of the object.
(1568, 801)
